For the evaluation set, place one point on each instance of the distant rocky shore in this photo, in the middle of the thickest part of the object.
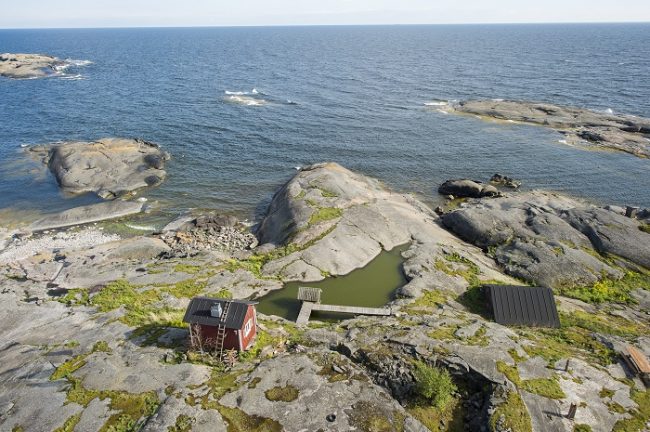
(29, 65)
(580, 126)
(115, 350)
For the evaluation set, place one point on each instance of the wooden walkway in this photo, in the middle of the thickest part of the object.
(307, 307)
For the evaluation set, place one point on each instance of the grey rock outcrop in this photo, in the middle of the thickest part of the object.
(337, 221)
(87, 214)
(28, 65)
(550, 239)
(580, 126)
(108, 167)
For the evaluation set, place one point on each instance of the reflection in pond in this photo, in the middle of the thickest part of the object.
(371, 286)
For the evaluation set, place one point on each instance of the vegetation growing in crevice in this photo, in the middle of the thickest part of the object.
(547, 387)
(608, 289)
(639, 416)
(69, 424)
(512, 414)
(239, 421)
(183, 424)
(433, 384)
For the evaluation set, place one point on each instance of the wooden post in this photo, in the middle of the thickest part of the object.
(572, 411)
(566, 366)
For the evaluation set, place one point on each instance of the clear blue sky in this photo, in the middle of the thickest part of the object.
(134, 13)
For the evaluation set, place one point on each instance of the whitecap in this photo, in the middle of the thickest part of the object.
(442, 111)
(245, 100)
(228, 92)
(436, 103)
(79, 63)
(562, 141)
(609, 111)
(254, 91)
(497, 100)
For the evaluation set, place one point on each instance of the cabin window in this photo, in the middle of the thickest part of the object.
(247, 327)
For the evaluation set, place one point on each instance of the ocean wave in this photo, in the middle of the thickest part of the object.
(245, 100)
(76, 77)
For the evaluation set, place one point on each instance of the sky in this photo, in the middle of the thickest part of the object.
(147, 13)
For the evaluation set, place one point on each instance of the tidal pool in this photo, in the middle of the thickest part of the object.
(371, 286)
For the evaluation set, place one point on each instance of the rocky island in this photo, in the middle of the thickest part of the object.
(580, 126)
(29, 65)
(95, 327)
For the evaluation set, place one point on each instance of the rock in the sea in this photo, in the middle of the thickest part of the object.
(581, 126)
(28, 65)
(506, 181)
(550, 239)
(464, 188)
(109, 167)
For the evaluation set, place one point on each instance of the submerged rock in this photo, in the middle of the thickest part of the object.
(28, 65)
(625, 133)
(109, 167)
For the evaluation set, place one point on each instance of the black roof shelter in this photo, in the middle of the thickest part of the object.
(522, 305)
(198, 312)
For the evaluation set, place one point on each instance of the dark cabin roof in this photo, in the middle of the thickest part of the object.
(523, 305)
(198, 312)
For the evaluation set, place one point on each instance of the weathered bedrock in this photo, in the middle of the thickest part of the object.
(29, 65)
(108, 167)
(621, 132)
(551, 239)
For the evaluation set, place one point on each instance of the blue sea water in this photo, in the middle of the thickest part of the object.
(239, 108)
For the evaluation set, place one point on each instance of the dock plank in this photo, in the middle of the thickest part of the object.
(307, 307)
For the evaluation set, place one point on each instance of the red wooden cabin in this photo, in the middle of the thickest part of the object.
(222, 324)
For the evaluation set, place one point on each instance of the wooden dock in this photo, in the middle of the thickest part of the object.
(307, 307)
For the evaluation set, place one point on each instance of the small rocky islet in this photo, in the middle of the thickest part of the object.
(95, 319)
(25, 66)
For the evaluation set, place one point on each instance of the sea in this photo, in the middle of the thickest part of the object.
(241, 109)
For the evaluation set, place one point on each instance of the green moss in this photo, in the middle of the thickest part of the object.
(547, 387)
(645, 228)
(606, 393)
(607, 325)
(639, 417)
(328, 194)
(69, 424)
(287, 393)
(239, 421)
(615, 407)
(183, 424)
(443, 333)
(515, 356)
(101, 346)
(610, 290)
(434, 384)
(254, 382)
(223, 294)
(514, 412)
(68, 367)
(71, 344)
(262, 339)
(369, 417)
(188, 268)
(324, 214)
(451, 416)
(581, 428)
(185, 289)
(17, 428)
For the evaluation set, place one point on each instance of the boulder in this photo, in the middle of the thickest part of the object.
(108, 167)
(464, 188)
(87, 214)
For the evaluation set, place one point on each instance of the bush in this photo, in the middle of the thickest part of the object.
(434, 384)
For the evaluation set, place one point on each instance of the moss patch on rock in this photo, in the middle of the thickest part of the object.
(547, 387)
(368, 417)
(287, 393)
(239, 421)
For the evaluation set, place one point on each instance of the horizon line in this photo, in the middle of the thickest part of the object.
(325, 25)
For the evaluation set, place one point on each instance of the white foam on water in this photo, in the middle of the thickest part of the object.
(73, 62)
(73, 77)
(497, 100)
(609, 111)
(436, 103)
(245, 100)
(441, 111)
(562, 141)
